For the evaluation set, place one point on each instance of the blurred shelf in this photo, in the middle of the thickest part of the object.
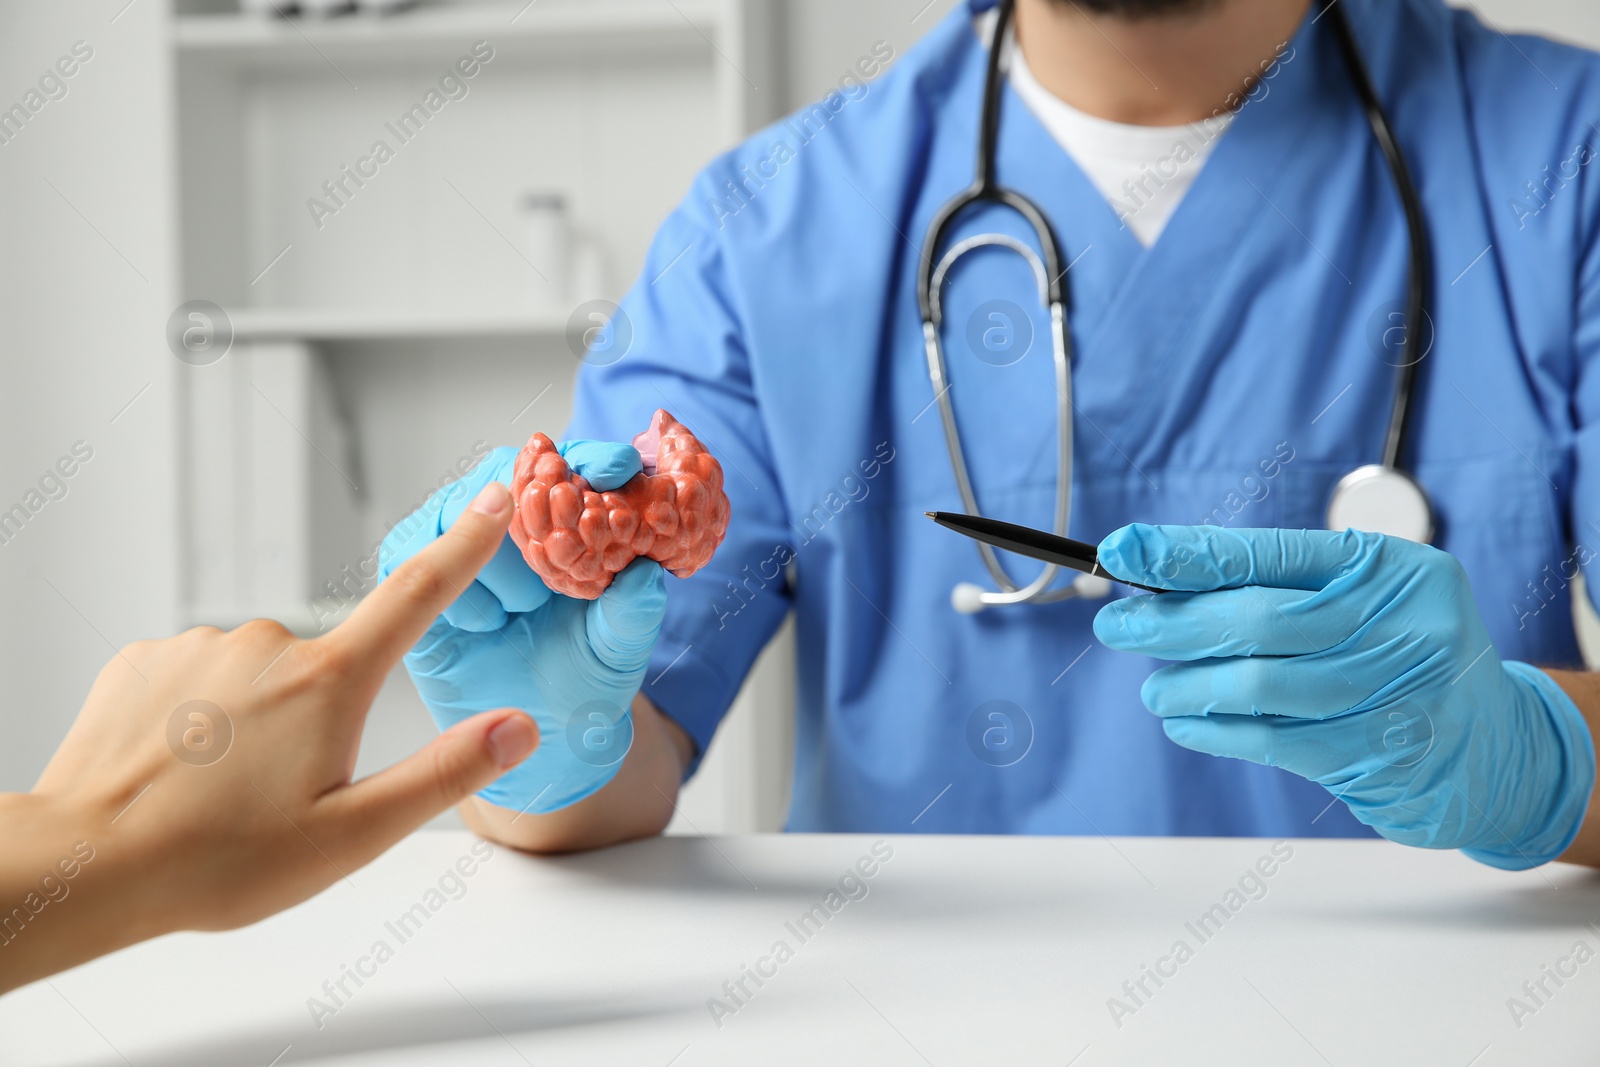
(318, 324)
(559, 26)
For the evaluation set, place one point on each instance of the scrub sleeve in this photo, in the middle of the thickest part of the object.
(678, 344)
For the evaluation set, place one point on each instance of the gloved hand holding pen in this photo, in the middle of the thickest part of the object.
(1360, 662)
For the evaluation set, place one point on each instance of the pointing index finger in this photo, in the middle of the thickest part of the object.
(394, 616)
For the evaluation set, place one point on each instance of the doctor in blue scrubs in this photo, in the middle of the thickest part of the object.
(1235, 258)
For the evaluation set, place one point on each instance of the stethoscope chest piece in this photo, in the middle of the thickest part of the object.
(1383, 500)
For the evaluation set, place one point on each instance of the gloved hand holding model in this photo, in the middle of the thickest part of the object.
(508, 641)
(1360, 662)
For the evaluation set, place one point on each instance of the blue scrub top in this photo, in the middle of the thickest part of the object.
(1230, 374)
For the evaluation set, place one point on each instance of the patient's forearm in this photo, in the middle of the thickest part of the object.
(63, 899)
(638, 802)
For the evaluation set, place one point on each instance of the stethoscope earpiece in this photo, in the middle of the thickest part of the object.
(969, 598)
(1092, 587)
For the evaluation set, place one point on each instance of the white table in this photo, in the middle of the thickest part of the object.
(964, 950)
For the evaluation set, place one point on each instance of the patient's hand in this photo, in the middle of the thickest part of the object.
(207, 782)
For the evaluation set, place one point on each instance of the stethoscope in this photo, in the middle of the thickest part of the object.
(1379, 497)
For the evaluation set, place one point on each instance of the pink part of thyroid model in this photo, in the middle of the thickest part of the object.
(576, 539)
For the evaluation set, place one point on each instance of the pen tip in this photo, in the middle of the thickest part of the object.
(931, 515)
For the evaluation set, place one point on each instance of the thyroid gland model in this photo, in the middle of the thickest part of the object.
(576, 539)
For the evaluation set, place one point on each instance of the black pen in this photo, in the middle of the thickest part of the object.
(1036, 544)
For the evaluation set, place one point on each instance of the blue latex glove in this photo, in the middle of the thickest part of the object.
(509, 642)
(1360, 662)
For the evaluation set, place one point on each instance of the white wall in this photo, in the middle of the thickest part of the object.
(1577, 21)
(822, 39)
(84, 289)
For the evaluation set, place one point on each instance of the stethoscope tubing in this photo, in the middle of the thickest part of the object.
(985, 188)
(1418, 329)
